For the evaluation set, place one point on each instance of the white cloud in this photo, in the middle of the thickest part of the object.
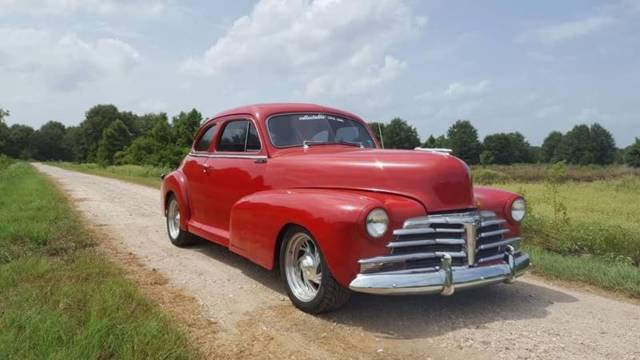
(103, 7)
(462, 89)
(62, 62)
(568, 30)
(323, 47)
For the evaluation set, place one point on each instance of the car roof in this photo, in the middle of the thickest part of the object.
(263, 111)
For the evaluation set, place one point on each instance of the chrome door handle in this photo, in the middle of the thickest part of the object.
(205, 169)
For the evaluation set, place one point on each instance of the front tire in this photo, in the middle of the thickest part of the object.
(306, 276)
(177, 236)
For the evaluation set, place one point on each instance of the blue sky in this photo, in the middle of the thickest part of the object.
(521, 66)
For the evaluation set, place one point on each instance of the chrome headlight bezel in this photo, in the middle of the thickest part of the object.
(377, 223)
(518, 210)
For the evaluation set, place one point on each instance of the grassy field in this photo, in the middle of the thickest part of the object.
(585, 227)
(144, 175)
(60, 299)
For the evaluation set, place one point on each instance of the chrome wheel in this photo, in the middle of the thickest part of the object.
(303, 267)
(173, 219)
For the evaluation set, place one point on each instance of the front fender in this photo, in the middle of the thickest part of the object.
(498, 201)
(175, 182)
(335, 218)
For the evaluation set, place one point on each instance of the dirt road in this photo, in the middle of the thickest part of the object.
(252, 317)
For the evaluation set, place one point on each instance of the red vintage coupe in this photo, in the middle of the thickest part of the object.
(308, 189)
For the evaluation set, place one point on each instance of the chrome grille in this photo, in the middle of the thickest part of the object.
(469, 238)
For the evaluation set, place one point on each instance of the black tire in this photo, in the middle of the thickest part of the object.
(330, 295)
(180, 237)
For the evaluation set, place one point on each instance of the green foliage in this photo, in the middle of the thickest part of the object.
(439, 142)
(505, 149)
(463, 140)
(20, 136)
(550, 147)
(157, 148)
(588, 173)
(484, 176)
(587, 145)
(114, 138)
(60, 299)
(398, 134)
(185, 126)
(632, 154)
(47, 143)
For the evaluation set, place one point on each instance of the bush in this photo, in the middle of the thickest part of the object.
(488, 177)
(5, 161)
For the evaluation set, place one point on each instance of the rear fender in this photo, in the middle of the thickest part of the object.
(175, 183)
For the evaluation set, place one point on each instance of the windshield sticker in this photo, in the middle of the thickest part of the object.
(312, 117)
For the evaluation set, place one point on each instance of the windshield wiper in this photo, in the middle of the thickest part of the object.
(306, 143)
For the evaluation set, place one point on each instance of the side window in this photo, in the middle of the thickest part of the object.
(253, 140)
(239, 136)
(205, 140)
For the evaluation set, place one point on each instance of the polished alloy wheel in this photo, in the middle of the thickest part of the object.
(303, 267)
(173, 219)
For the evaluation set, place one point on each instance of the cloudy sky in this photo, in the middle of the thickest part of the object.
(521, 66)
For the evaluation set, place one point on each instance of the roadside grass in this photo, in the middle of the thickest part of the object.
(143, 175)
(59, 298)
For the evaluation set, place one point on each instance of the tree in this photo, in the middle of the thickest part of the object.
(47, 142)
(575, 147)
(436, 142)
(632, 155)
(378, 128)
(114, 138)
(4, 131)
(463, 140)
(157, 148)
(550, 147)
(19, 141)
(603, 147)
(97, 119)
(185, 126)
(587, 145)
(400, 135)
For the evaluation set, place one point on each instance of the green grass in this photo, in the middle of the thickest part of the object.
(603, 273)
(143, 175)
(536, 173)
(59, 298)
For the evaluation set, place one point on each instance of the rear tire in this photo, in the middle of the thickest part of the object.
(306, 276)
(177, 236)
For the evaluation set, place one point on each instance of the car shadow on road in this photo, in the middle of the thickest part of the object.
(415, 316)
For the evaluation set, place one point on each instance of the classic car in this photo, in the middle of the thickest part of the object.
(308, 189)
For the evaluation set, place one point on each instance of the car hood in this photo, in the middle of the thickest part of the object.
(439, 181)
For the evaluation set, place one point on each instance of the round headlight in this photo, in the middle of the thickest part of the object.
(518, 209)
(377, 223)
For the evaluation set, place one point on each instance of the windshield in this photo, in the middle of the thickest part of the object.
(313, 128)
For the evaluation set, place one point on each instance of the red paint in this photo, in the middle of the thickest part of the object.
(245, 200)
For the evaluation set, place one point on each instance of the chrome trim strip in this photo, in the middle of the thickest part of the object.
(425, 231)
(490, 258)
(407, 257)
(399, 244)
(228, 156)
(493, 233)
(492, 222)
(470, 233)
(498, 243)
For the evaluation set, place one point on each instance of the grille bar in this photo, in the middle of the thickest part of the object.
(396, 244)
(468, 238)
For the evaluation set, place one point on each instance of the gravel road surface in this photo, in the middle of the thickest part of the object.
(251, 316)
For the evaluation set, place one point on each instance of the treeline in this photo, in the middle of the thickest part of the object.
(583, 145)
(106, 136)
(109, 136)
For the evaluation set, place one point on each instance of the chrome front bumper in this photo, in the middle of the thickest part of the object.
(443, 281)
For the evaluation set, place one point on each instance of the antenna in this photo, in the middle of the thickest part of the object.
(380, 133)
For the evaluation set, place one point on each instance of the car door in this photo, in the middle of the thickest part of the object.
(237, 168)
(195, 169)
